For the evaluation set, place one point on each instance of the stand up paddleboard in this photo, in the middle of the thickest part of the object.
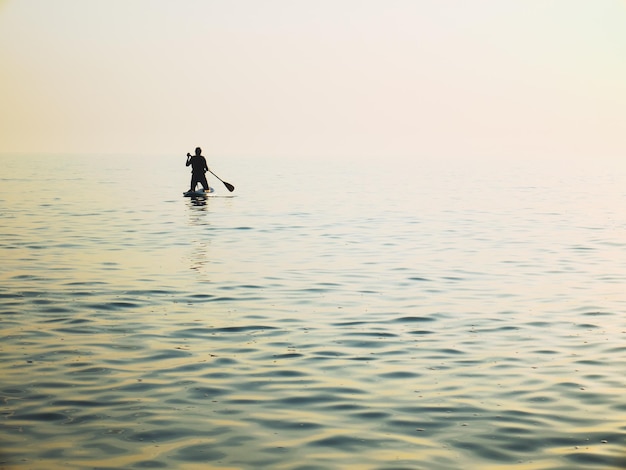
(198, 192)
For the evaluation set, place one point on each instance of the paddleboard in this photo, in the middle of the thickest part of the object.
(198, 192)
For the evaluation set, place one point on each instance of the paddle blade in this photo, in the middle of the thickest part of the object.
(229, 186)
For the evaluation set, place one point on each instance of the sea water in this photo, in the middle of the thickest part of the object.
(327, 314)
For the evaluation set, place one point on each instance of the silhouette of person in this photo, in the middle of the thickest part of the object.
(198, 169)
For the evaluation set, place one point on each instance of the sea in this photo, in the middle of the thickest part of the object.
(329, 313)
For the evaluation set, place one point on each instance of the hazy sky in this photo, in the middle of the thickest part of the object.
(372, 78)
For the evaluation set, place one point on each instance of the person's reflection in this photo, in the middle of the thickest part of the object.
(198, 211)
(199, 218)
(198, 201)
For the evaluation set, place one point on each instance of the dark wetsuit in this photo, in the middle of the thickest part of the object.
(198, 170)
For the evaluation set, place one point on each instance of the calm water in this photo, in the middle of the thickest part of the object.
(324, 315)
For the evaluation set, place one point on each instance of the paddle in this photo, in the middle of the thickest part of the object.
(229, 186)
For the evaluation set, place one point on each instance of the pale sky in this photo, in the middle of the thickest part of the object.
(302, 78)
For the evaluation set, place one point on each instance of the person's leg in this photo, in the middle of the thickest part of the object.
(194, 182)
(204, 183)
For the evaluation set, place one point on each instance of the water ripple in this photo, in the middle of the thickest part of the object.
(405, 329)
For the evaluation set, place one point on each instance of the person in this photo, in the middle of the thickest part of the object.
(198, 169)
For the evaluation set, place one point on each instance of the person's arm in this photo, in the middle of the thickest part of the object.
(188, 160)
(206, 167)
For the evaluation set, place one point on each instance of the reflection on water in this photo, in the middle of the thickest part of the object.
(198, 201)
(200, 256)
(199, 217)
(450, 319)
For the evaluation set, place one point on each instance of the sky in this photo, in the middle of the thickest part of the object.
(312, 78)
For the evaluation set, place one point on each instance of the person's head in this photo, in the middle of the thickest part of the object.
(198, 151)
